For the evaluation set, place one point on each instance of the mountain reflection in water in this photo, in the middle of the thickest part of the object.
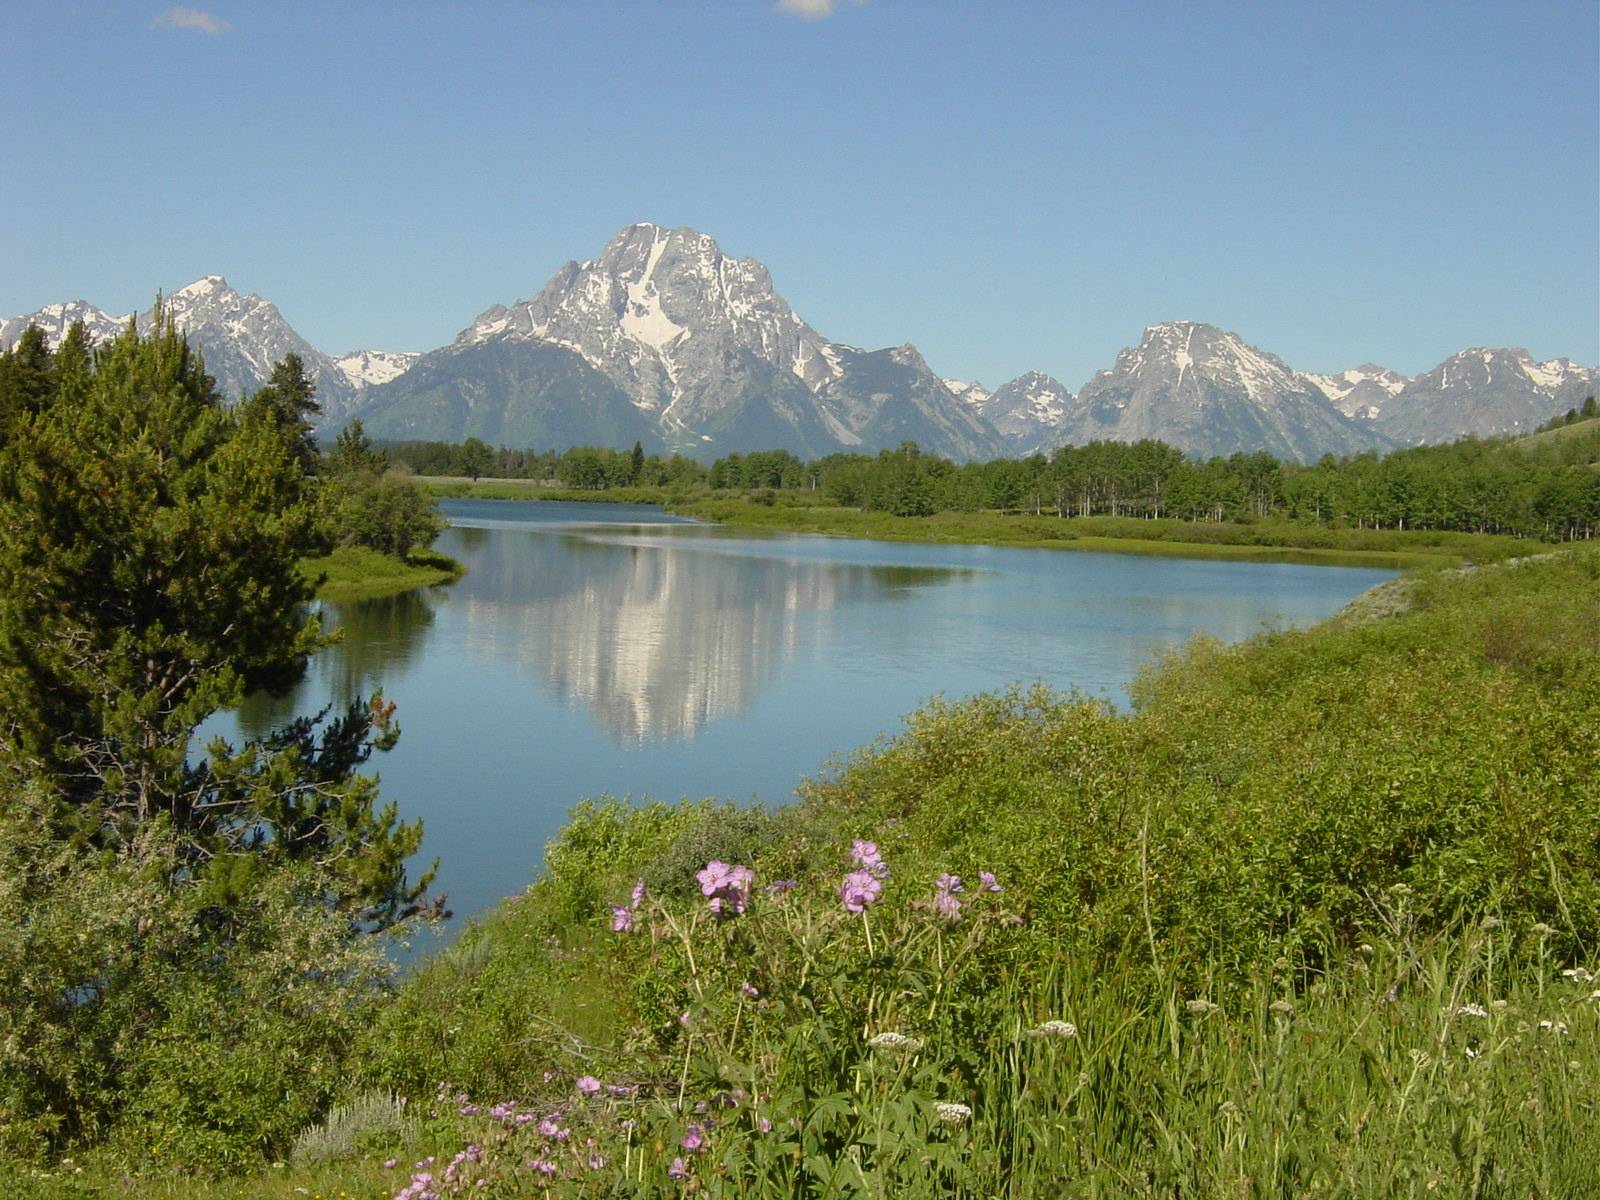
(653, 633)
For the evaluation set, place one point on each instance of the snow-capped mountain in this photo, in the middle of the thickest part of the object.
(1205, 390)
(1361, 393)
(968, 392)
(243, 337)
(55, 319)
(697, 342)
(1028, 411)
(666, 340)
(367, 368)
(1485, 391)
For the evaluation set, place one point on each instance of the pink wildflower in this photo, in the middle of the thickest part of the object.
(621, 919)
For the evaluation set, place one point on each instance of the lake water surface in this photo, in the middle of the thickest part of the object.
(599, 648)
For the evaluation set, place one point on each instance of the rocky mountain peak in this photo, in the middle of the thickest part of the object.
(56, 319)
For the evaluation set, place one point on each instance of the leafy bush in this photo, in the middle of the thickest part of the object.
(140, 1015)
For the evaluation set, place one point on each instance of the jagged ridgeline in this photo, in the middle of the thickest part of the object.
(666, 340)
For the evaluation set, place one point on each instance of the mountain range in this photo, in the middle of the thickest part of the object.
(666, 340)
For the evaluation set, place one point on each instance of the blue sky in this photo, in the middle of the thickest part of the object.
(1011, 186)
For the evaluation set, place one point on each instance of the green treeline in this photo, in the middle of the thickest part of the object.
(1533, 488)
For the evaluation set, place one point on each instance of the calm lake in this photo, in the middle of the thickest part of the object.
(599, 648)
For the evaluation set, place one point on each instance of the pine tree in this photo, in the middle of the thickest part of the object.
(149, 549)
(289, 400)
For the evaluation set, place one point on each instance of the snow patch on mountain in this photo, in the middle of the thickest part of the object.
(368, 368)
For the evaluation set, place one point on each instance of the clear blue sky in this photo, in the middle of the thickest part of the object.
(1011, 186)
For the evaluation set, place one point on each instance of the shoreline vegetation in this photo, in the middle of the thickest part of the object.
(1332, 889)
(1260, 541)
(361, 573)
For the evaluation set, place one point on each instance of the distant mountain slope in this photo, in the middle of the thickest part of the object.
(508, 393)
(55, 319)
(1029, 411)
(1206, 391)
(1363, 393)
(1485, 391)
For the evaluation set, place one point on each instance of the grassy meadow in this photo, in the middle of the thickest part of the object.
(1318, 917)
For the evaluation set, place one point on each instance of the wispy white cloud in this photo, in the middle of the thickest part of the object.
(193, 19)
(811, 10)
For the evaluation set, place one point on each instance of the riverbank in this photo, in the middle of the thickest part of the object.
(1264, 541)
(357, 573)
(1331, 888)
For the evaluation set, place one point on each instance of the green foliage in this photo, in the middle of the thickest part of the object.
(142, 1015)
(183, 931)
(388, 514)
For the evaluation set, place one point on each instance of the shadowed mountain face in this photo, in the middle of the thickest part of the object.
(709, 355)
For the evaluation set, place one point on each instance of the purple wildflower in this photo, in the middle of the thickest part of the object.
(551, 1128)
(638, 893)
(588, 1084)
(944, 901)
(987, 880)
(679, 1169)
(694, 1139)
(621, 919)
(783, 885)
(860, 889)
(726, 887)
(867, 856)
(749, 989)
(542, 1165)
(764, 1124)
(389, 1164)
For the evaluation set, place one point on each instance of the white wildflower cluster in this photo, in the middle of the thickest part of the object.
(1282, 1007)
(1555, 1027)
(1471, 1010)
(951, 1113)
(1201, 1008)
(1053, 1029)
(1579, 975)
(895, 1043)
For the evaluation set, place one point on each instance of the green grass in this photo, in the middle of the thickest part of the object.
(1561, 433)
(357, 573)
